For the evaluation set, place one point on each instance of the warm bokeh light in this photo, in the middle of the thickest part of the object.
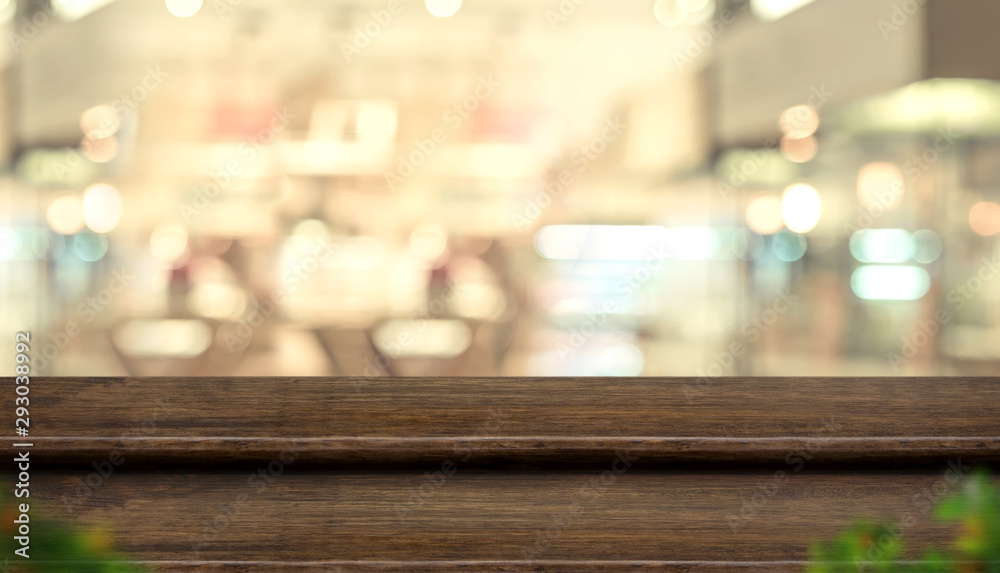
(99, 121)
(65, 214)
(443, 8)
(984, 218)
(184, 8)
(100, 150)
(799, 121)
(799, 150)
(168, 242)
(670, 12)
(102, 207)
(880, 184)
(763, 215)
(801, 208)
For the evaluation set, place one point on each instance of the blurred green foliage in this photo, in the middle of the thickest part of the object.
(866, 546)
(56, 546)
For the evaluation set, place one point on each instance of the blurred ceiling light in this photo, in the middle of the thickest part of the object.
(763, 215)
(602, 242)
(928, 246)
(771, 10)
(799, 150)
(877, 282)
(696, 5)
(670, 12)
(172, 338)
(788, 246)
(217, 300)
(423, 338)
(428, 242)
(65, 214)
(183, 8)
(443, 8)
(99, 150)
(801, 207)
(70, 10)
(799, 121)
(880, 183)
(376, 122)
(168, 242)
(882, 246)
(102, 207)
(90, 246)
(99, 121)
(692, 243)
(949, 108)
(984, 218)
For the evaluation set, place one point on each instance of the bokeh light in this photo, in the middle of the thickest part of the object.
(801, 208)
(799, 150)
(788, 246)
(929, 246)
(670, 12)
(799, 121)
(984, 218)
(183, 8)
(65, 214)
(443, 8)
(880, 184)
(90, 246)
(102, 207)
(99, 122)
(763, 215)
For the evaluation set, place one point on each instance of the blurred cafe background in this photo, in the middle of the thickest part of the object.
(501, 187)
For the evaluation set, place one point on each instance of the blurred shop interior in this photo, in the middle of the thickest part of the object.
(501, 187)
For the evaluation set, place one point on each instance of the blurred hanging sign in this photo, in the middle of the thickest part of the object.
(832, 52)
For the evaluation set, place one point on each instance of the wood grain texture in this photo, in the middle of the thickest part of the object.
(346, 420)
(529, 474)
(638, 516)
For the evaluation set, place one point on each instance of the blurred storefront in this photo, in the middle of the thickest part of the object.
(501, 187)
